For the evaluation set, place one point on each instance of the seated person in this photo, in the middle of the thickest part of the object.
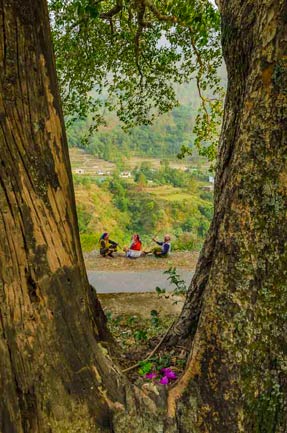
(134, 251)
(164, 249)
(107, 246)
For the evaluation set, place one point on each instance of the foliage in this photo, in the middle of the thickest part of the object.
(124, 207)
(145, 367)
(89, 242)
(84, 218)
(131, 330)
(163, 139)
(140, 334)
(154, 318)
(179, 285)
(160, 291)
(136, 334)
(125, 56)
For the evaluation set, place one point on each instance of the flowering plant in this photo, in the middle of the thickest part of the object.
(166, 375)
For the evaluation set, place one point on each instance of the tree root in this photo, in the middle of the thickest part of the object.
(151, 353)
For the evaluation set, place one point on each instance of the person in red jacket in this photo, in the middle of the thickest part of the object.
(135, 249)
(136, 243)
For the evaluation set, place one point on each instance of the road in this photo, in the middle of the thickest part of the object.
(133, 282)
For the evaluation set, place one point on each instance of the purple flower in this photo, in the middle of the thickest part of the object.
(151, 376)
(169, 373)
(164, 380)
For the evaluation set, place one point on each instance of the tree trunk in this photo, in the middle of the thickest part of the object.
(50, 320)
(56, 374)
(236, 306)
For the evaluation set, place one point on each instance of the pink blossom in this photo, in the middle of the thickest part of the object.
(164, 380)
(151, 376)
(169, 373)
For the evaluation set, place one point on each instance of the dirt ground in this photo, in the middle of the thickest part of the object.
(141, 304)
(180, 259)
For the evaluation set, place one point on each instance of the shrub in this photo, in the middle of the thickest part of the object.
(89, 242)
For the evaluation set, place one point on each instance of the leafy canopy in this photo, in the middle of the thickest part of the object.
(126, 55)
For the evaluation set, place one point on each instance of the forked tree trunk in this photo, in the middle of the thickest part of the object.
(237, 302)
(55, 374)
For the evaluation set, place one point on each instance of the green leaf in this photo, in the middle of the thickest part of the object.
(92, 10)
(145, 367)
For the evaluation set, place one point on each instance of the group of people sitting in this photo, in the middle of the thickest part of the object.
(108, 247)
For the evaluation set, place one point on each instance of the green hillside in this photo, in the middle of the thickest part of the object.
(162, 139)
(153, 200)
(162, 193)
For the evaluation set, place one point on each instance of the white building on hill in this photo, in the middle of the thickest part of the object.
(126, 174)
(79, 171)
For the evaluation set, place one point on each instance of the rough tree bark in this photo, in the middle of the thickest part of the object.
(236, 306)
(55, 376)
(55, 372)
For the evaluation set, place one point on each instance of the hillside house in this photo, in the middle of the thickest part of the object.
(79, 171)
(126, 174)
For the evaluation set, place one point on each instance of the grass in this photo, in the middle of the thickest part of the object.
(172, 194)
(169, 193)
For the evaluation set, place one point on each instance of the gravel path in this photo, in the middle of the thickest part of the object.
(133, 282)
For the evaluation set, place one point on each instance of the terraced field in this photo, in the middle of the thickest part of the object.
(89, 164)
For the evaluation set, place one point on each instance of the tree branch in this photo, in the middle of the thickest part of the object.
(158, 14)
(140, 28)
(114, 11)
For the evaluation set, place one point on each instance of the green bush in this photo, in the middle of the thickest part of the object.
(187, 242)
(89, 242)
(84, 218)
